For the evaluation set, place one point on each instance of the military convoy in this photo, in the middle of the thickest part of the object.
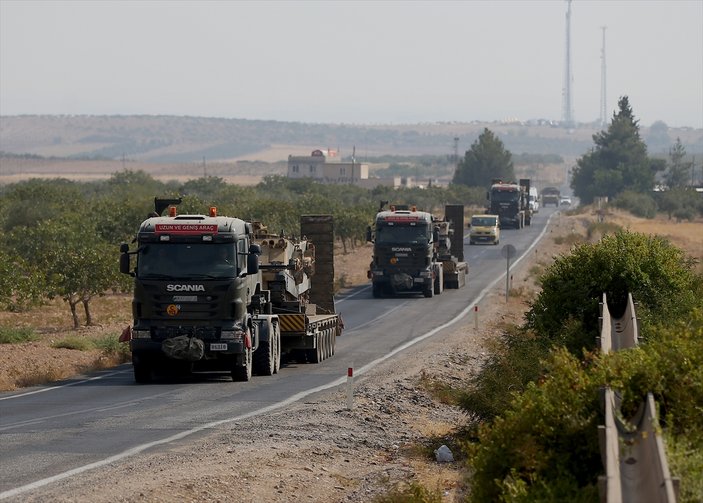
(414, 251)
(219, 293)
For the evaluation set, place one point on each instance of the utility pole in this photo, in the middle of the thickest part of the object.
(603, 100)
(567, 108)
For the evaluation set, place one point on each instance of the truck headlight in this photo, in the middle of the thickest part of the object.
(425, 274)
(141, 334)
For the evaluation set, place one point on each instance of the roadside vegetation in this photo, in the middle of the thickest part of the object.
(61, 238)
(535, 405)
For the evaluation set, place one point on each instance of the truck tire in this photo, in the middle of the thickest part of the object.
(265, 354)
(264, 359)
(314, 355)
(376, 291)
(439, 282)
(277, 353)
(428, 292)
(242, 373)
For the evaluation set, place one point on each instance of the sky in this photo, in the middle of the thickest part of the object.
(352, 62)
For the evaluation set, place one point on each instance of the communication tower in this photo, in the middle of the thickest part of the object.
(603, 100)
(567, 114)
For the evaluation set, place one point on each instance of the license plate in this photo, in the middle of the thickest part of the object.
(218, 346)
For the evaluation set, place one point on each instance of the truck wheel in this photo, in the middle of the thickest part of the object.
(277, 354)
(376, 291)
(243, 372)
(142, 372)
(265, 355)
(439, 283)
(330, 342)
(315, 354)
(428, 292)
(264, 359)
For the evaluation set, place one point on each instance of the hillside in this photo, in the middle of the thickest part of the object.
(173, 139)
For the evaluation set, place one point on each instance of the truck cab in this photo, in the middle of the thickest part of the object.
(196, 287)
(404, 252)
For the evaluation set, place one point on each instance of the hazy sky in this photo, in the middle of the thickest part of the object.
(351, 61)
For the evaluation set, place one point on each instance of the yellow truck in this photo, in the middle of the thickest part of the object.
(484, 229)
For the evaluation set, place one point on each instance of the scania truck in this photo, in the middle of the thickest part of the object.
(413, 251)
(212, 294)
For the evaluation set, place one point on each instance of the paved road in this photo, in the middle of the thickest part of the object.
(52, 432)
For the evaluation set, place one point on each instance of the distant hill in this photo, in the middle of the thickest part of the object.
(173, 139)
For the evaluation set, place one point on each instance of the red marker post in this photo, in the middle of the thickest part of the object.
(350, 388)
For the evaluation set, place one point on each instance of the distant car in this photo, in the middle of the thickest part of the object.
(484, 229)
(565, 201)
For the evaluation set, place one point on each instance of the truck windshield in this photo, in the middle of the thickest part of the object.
(483, 221)
(504, 196)
(415, 234)
(187, 261)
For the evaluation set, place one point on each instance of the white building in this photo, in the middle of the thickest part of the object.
(325, 167)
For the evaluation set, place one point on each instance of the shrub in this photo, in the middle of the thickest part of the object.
(513, 362)
(544, 446)
(545, 439)
(74, 342)
(641, 205)
(660, 277)
(12, 335)
(111, 346)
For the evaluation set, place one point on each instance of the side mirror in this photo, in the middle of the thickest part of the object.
(124, 258)
(488, 195)
(253, 259)
(435, 235)
(369, 238)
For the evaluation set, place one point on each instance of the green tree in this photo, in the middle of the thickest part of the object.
(487, 159)
(618, 162)
(679, 173)
(77, 266)
(657, 138)
(21, 284)
(660, 277)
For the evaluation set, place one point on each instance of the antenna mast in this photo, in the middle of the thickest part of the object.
(567, 110)
(603, 100)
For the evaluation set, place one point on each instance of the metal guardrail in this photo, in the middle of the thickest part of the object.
(633, 454)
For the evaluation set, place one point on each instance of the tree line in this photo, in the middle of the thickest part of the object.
(617, 169)
(61, 238)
